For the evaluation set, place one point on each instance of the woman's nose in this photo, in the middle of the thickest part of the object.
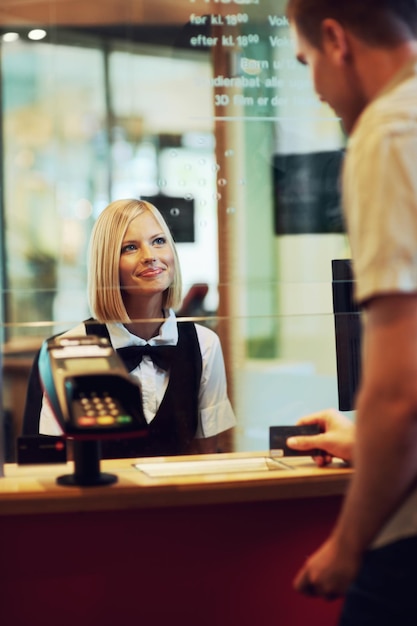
(147, 254)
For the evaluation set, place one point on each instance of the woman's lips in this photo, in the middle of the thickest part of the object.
(151, 271)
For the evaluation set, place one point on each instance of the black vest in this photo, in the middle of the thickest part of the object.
(173, 427)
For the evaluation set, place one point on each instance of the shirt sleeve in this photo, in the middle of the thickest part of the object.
(381, 207)
(215, 411)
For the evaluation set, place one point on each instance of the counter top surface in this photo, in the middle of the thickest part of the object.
(171, 481)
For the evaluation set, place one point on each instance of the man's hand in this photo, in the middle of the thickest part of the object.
(337, 438)
(328, 572)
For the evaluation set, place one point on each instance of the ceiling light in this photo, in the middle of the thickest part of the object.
(36, 34)
(9, 37)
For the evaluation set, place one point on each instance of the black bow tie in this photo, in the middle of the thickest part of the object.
(160, 355)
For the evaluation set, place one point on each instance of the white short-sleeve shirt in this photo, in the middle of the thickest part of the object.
(380, 200)
(380, 191)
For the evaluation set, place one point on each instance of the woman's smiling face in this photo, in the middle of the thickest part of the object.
(146, 266)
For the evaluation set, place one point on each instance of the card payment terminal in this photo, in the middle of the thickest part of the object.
(93, 397)
(89, 388)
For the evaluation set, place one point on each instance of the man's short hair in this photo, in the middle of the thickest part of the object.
(384, 23)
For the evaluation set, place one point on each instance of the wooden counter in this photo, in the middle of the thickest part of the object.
(32, 489)
(198, 550)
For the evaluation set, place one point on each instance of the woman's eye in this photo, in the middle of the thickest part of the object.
(159, 241)
(128, 247)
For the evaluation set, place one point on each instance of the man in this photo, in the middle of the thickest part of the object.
(362, 56)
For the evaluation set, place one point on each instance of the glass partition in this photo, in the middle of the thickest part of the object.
(200, 106)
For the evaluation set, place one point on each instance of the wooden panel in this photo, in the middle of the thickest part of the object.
(78, 12)
(195, 566)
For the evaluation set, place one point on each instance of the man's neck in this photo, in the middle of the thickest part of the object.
(377, 67)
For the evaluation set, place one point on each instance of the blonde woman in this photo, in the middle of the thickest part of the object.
(134, 288)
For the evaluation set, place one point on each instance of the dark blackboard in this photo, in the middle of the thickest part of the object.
(307, 195)
(179, 215)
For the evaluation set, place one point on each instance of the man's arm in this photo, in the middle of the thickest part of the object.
(386, 446)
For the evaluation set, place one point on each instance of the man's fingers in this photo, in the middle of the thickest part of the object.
(303, 584)
(304, 443)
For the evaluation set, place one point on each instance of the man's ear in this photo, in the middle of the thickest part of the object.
(335, 41)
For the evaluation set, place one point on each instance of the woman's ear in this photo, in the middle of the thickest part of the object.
(335, 41)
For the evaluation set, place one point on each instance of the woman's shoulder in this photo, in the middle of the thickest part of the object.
(77, 331)
(206, 335)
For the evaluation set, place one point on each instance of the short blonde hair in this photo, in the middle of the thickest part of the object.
(104, 293)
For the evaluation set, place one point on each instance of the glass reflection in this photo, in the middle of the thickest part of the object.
(201, 103)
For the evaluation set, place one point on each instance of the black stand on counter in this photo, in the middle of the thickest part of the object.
(86, 466)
